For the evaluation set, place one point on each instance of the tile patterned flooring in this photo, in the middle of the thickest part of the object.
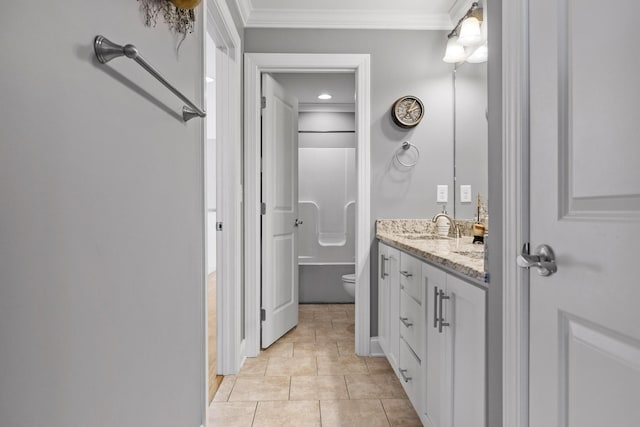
(312, 377)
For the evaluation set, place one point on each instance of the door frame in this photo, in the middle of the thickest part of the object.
(254, 65)
(514, 45)
(220, 25)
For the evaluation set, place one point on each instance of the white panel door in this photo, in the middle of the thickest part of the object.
(279, 222)
(585, 204)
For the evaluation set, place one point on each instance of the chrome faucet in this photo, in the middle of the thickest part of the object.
(451, 220)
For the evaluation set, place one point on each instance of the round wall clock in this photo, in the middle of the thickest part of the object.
(407, 111)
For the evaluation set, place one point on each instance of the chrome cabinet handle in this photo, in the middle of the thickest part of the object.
(544, 259)
(383, 270)
(298, 222)
(435, 307)
(404, 376)
(406, 274)
(442, 297)
(405, 321)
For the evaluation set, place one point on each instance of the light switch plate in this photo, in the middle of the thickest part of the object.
(442, 194)
(465, 194)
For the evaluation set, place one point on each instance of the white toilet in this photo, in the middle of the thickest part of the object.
(349, 284)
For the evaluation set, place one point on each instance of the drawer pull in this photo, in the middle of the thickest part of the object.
(441, 317)
(406, 274)
(435, 307)
(383, 270)
(404, 376)
(405, 321)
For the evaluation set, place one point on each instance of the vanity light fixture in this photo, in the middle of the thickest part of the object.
(468, 39)
(481, 54)
(324, 96)
(470, 32)
(455, 51)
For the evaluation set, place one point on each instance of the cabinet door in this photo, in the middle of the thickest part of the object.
(383, 297)
(465, 353)
(393, 265)
(434, 397)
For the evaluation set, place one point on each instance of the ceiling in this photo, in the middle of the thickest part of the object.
(306, 87)
(361, 14)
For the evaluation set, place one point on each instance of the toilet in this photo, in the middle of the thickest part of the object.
(349, 284)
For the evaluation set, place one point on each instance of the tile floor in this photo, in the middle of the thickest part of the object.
(312, 377)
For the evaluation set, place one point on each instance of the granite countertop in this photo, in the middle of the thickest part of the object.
(418, 238)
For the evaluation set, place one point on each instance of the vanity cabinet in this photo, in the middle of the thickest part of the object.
(455, 362)
(432, 330)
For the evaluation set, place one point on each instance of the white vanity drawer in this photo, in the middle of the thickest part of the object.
(410, 374)
(410, 276)
(412, 323)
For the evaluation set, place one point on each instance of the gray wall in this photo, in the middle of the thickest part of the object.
(402, 63)
(323, 283)
(101, 222)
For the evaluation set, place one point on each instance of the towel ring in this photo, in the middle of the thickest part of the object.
(406, 146)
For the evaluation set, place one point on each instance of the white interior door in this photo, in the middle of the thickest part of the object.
(280, 207)
(585, 204)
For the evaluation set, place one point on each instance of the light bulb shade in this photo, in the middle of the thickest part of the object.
(480, 54)
(455, 51)
(470, 33)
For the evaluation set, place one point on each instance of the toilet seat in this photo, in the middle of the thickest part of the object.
(349, 278)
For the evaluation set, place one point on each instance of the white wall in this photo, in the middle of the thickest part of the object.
(101, 222)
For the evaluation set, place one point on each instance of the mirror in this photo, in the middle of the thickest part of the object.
(470, 139)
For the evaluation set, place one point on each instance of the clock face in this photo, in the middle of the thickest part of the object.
(407, 111)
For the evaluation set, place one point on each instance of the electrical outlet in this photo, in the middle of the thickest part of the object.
(465, 194)
(442, 195)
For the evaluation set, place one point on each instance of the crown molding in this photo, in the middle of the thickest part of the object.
(245, 9)
(346, 19)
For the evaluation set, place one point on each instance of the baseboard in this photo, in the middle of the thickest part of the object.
(375, 348)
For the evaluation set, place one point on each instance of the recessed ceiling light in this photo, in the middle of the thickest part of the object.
(324, 96)
(209, 79)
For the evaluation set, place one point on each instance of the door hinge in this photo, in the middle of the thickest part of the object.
(263, 314)
(218, 226)
(263, 102)
(263, 208)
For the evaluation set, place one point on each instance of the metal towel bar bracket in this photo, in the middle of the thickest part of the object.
(405, 147)
(106, 50)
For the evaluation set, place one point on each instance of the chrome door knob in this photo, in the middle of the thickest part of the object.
(543, 258)
(298, 222)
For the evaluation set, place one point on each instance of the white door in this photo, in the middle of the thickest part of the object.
(585, 204)
(280, 207)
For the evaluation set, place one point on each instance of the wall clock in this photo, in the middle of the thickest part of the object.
(407, 111)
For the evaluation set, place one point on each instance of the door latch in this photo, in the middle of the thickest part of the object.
(544, 259)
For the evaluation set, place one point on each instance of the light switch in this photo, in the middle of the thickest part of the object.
(465, 194)
(442, 194)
